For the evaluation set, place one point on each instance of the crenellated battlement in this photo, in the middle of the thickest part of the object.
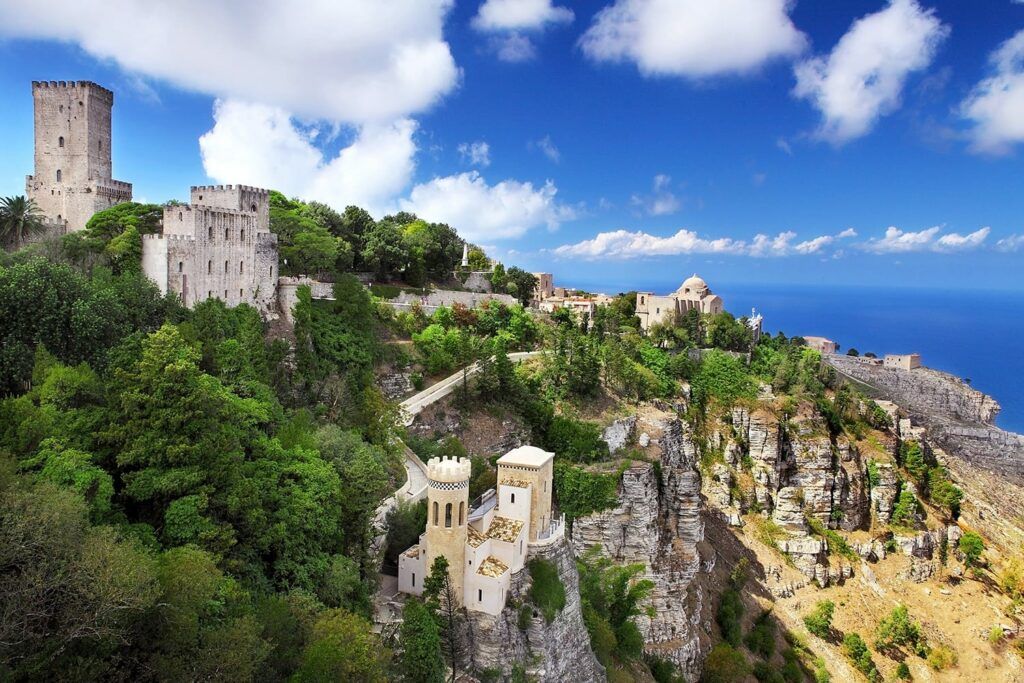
(449, 470)
(92, 87)
(230, 188)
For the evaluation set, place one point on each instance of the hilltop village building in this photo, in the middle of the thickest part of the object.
(72, 178)
(693, 294)
(902, 361)
(821, 344)
(489, 542)
(217, 246)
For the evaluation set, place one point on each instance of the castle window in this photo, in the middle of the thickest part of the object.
(479, 594)
(180, 266)
(58, 175)
(209, 233)
(241, 234)
(225, 233)
(513, 499)
(225, 295)
(61, 109)
(241, 267)
(60, 141)
(225, 266)
(448, 516)
(462, 512)
(435, 513)
(209, 267)
(99, 145)
(253, 207)
(240, 294)
(520, 546)
(209, 294)
(180, 217)
(414, 579)
(271, 271)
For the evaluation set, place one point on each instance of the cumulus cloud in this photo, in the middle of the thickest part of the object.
(358, 61)
(896, 241)
(996, 104)
(662, 201)
(257, 144)
(488, 212)
(512, 19)
(862, 79)
(1012, 242)
(520, 15)
(625, 244)
(693, 38)
(475, 153)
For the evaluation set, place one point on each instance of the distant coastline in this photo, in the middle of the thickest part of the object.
(973, 334)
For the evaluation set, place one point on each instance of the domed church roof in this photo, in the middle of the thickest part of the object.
(693, 284)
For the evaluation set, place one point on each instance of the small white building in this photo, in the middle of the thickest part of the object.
(485, 546)
(904, 361)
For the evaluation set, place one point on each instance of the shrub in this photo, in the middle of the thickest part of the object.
(898, 630)
(941, 658)
(903, 672)
(725, 664)
(730, 612)
(547, 591)
(856, 650)
(761, 639)
(972, 548)
(819, 621)
(767, 673)
(575, 440)
(580, 492)
(996, 635)
(906, 510)
(791, 670)
(525, 617)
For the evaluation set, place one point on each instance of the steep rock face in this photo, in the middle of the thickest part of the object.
(555, 652)
(658, 523)
(761, 432)
(884, 493)
(619, 433)
(851, 492)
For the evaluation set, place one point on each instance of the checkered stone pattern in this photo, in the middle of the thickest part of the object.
(448, 485)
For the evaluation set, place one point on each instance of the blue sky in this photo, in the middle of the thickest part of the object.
(628, 142)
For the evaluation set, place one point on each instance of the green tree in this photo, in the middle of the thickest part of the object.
(521, 284)
(897, 629)
(419, 640)
(342, 647)
(443, 599)
(819, 621)
(384, 251)
(725, 664)
(20, 219)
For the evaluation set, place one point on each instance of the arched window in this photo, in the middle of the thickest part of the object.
(180, 216)
(462, 512)
(448, 516)
(58, 175)
(225, 266)
(60, 141)
(241, 234)
(435, 513)
(180, 266)
(240, 294)
(241, 267)
(225, 233)
(253, 207)
(58, 218)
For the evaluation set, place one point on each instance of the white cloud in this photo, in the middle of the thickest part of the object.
(548, 148)
(260, 145)
(488, 212)
(862, 78)
(624, 244)
(356, 61)
(476, 153)
(1012, 242)
(693, 38)
(996, 104)
(520, 15)
(661, 202)
(514, 48)
(896, 241)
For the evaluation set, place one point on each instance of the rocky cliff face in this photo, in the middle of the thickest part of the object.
(555, 652)
(958, 418)
(658, 523)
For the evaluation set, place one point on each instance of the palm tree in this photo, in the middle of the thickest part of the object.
(20, 218)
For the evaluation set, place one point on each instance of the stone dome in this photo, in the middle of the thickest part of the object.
(694, 284)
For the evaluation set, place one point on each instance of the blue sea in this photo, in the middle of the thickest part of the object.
(972, 334)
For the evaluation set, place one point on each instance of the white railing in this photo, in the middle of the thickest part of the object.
(554, 532)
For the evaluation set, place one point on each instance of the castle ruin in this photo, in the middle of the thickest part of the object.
(217, 246)
(72, 178)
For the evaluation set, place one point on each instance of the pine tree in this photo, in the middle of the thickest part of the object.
(441, 595)
(420, 640)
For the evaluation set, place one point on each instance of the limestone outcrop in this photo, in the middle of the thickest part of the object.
(555, 652)
(658, 523)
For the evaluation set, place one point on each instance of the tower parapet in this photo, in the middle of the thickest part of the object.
(448, 516)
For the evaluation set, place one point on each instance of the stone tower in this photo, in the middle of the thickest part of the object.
(72, 179)
(447, 516)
